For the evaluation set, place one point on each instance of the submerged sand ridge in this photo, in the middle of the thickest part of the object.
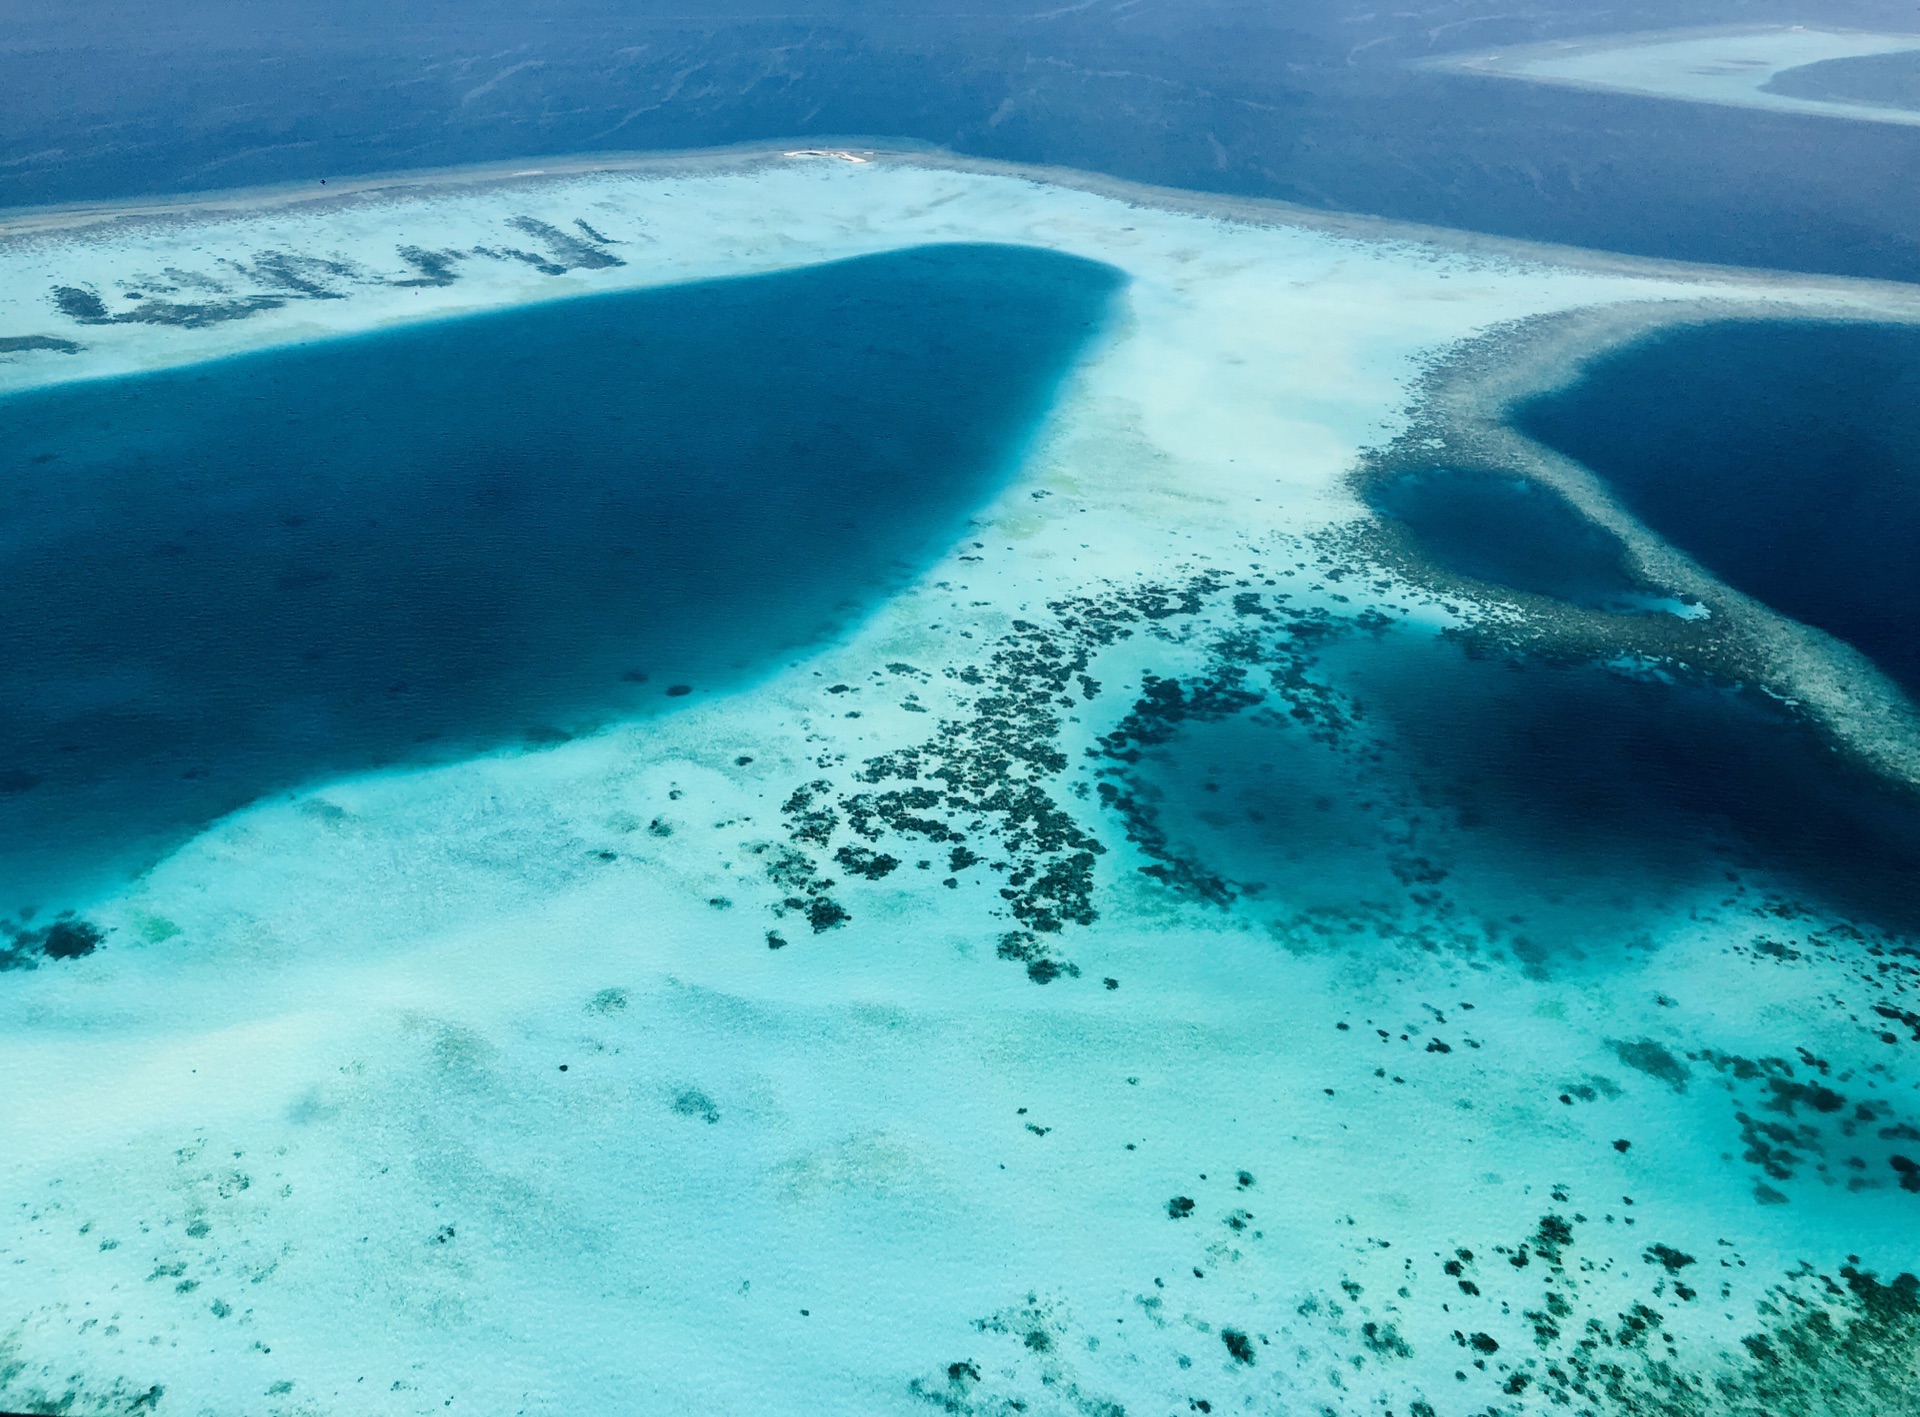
(931, 1022)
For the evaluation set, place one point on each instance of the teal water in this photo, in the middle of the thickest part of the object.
(229, 579)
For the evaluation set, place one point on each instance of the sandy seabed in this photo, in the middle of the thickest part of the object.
(625, 1076)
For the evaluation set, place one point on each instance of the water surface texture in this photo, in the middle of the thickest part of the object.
(228, 578)
(1784, 456)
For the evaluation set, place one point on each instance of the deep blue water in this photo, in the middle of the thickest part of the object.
(231, 578)
(1557, 810)
(1311, 101)
(1890, 80)
(1511, 531)
(1782, 455)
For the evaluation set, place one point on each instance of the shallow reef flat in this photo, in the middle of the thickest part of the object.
(1788, 68)
(1192, 945)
